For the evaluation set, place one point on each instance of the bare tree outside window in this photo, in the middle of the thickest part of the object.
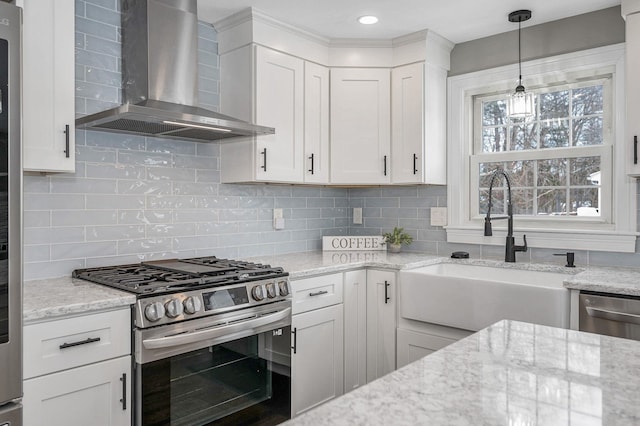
(553, 178)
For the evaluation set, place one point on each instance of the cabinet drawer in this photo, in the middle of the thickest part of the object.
(316, 292)
(66, 343)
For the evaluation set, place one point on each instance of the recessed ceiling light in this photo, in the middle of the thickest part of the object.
(368, 19)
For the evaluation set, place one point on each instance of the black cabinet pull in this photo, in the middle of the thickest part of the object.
(123, 379)
(635, 149)
(295, 340)
(264, 160)
(318, 293)
(81, 342)
(66, 132)
(311, 169)
(386, 292)
(385, 165)
(415, 162)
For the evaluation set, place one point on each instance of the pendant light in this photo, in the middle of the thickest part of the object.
(520, 102)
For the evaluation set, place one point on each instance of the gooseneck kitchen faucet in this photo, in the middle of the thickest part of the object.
(510, 247)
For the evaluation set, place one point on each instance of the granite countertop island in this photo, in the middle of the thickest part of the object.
(510, 373)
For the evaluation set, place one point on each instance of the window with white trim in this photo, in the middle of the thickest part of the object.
(558, 161)
(567, 163)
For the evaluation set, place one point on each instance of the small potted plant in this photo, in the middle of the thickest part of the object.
(396, 238)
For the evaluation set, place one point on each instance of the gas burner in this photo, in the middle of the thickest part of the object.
(175, 275)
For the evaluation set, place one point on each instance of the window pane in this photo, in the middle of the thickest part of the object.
(497, 201)
(494, 139)
(585, 199)
(522, 201)
(552, 201)
(587, 131)
(486, 171)
(587, 101)
(520, 173)
(524, 136)
(552, 172)
(554, 105)
(554, 134)
(494, 113)
(585, 171)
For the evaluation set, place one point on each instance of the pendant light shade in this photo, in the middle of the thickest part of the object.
(520, 102)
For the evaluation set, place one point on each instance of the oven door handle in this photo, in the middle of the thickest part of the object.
(212, 333)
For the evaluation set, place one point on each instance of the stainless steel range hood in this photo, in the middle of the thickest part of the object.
(159, 78)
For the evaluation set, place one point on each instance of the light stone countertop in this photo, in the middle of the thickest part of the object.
(60, 297)
(66, 296)
(510, 373)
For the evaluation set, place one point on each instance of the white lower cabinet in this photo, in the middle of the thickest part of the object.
(381, 323)
(317, 355)
(413, 345)
(95, 394)
(77, 370)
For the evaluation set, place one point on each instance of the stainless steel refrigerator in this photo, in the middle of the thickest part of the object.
(10, 217)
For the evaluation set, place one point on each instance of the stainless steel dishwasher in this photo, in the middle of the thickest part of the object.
(613, 315)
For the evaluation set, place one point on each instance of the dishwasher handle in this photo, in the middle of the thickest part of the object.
(612, 315)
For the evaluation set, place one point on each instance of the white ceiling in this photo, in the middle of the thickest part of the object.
(456, 20)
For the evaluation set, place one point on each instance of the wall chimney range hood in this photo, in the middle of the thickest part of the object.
(159, 78)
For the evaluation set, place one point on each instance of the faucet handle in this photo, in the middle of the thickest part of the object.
(570, 258)
(524, 247)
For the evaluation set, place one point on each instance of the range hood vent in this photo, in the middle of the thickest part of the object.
(160, 84)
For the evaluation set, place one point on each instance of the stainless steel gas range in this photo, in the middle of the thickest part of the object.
(212, 340)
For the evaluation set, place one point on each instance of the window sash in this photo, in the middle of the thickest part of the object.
(602, 151)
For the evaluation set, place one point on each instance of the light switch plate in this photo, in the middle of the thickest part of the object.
(278, 219)
(357, 215)
(438, 216)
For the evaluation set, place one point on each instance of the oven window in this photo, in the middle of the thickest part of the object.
(238, 382)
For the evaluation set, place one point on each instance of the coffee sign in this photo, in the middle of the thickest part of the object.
(348, 243)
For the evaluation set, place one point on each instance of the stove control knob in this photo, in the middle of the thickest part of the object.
(257, 293)
(271, 290)
(192, 305)
(154, 311)
(284, 288)
(173, 308)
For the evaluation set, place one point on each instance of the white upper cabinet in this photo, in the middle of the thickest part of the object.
(48, 85)
(347, 125)
(418, 123)
(360, 125)
(272, 95)
(407, 106)
(316, 123)
(631, 11)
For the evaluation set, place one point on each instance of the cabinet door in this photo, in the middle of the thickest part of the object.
(95, 395)
(407, 137)
(355, 329)
(360, 125)
(632, 93)
(381, 323)
(316, 123)
(412, 345)
(317, 358)
(48, 85)
(279, 101)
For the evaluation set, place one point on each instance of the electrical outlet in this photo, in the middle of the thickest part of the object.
(438, 216)
(277, 214)
(357, 215)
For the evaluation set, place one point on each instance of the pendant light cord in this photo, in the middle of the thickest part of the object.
(519, 50)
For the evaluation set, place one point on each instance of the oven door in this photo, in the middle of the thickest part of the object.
(227, 369)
